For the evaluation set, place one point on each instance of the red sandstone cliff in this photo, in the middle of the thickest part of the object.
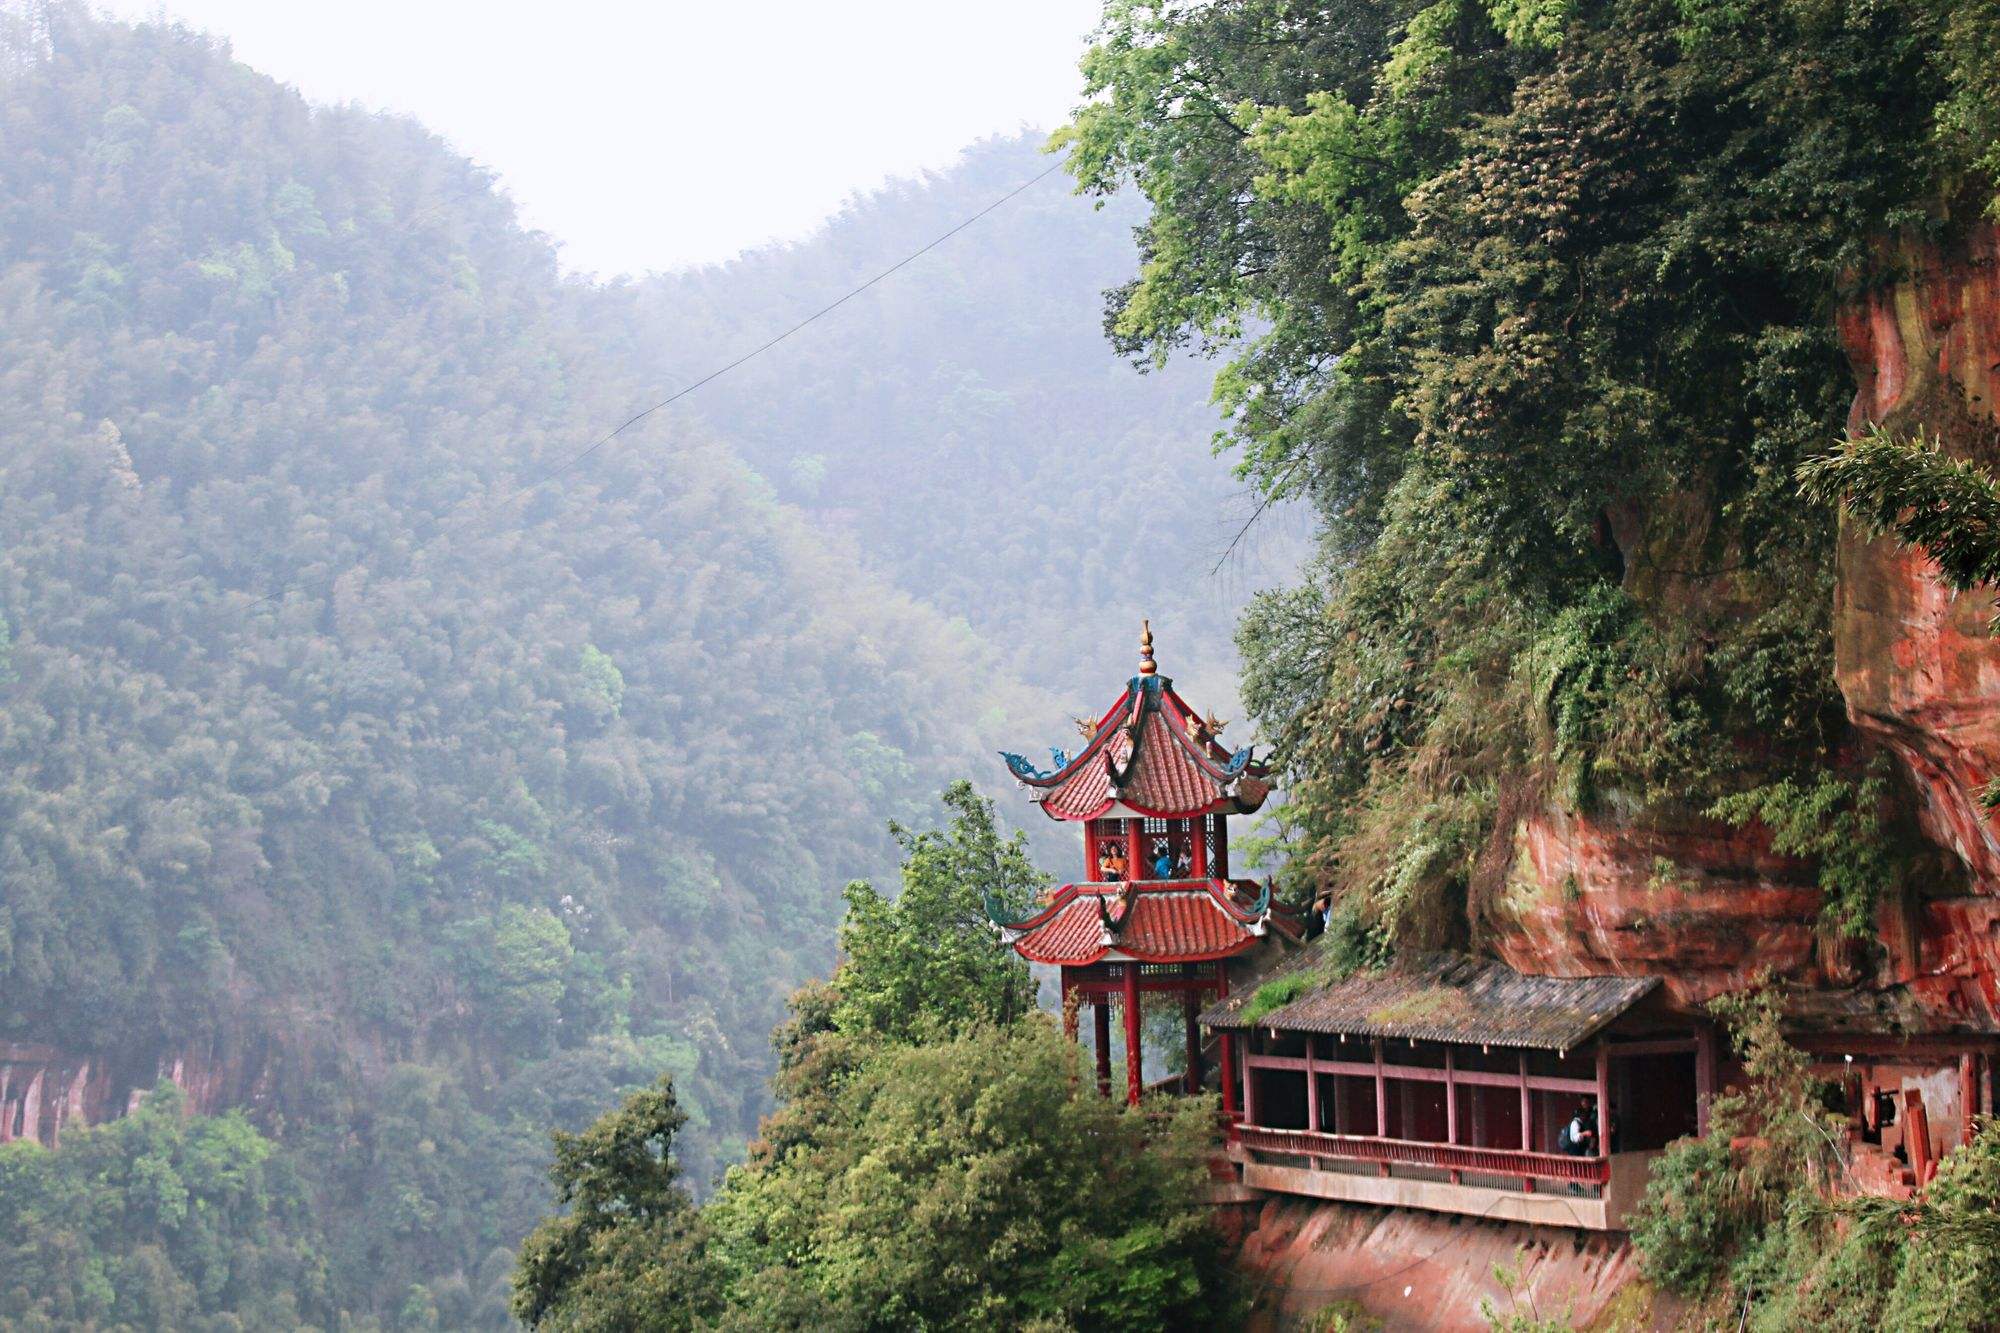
(43, 1089)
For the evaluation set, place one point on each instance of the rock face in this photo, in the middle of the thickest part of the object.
(1918, 665)
(1696, 902)
(43, 1089)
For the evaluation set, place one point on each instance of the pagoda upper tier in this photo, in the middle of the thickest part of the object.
(1150, 755)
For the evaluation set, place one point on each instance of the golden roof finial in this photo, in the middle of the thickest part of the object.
(1147, 666)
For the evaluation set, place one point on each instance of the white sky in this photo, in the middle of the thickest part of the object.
(653, 136)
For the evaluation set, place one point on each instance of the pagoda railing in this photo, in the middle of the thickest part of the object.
(1441, 1156)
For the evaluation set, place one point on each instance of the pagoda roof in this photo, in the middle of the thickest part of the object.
(1150, 754)
(1163, 921)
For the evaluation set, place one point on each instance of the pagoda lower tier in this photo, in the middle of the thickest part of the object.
(1115, 942)
(1149, 921)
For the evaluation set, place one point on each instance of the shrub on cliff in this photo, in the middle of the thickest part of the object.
(158, 1220)
(1713, 1200)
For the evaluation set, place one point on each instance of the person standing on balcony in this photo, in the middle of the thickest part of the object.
(1579, 1136)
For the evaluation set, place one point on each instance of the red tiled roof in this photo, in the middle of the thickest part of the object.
(1171, 775)
(1172, 921)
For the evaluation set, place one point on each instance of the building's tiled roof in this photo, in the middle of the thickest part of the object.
(1168, 921)
(1445, 997)
(1143, 755)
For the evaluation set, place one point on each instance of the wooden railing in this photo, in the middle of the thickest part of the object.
(1442, 1156)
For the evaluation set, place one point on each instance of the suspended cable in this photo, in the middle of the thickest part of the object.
(715, 374)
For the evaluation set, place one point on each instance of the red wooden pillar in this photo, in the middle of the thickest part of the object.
(1101, 1021)
(1133, 1086)
(1137, 864)
(1312, 1086)
(1198, 832)
(1527, 1121)
(1221, 870)
(1605, 1097)
(1451, 1104)
(1704, 1075)
(1191, 1012)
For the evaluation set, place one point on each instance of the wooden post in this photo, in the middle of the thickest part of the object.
(1133, 1085)
(1381, 1095)
(1704, 1075)
(1228, 1072)
(1312, 1086)
(1191, 1012)
(1451, 1104)
(1198, 827)
(1101, 1021)
(1968, 1094)
(1381, 1105)
(1603, 1097)
(1450, 1095)
(1527, 1121)
(1137, 864)
(1221, 847)
(1249, 1079)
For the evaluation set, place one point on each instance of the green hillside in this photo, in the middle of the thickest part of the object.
(418, 807)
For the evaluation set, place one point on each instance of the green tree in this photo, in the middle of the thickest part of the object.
(929, 961)
(158, 1220)
(628, 1253)
(1911, 488)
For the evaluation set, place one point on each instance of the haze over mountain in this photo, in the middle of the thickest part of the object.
(350, 784)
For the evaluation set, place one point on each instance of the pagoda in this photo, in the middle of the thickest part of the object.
(1157, 911)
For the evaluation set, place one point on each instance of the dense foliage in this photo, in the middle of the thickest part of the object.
(939, 1161)
(354, 771)
(158, 1220)
(1534, 302)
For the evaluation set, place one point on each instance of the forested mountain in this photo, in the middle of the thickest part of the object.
(417, 806)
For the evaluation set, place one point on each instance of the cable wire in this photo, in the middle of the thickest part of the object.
(711, 376)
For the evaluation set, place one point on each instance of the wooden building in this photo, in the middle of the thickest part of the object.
(1446, 1083)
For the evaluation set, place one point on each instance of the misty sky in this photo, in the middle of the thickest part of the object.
(647, 136)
